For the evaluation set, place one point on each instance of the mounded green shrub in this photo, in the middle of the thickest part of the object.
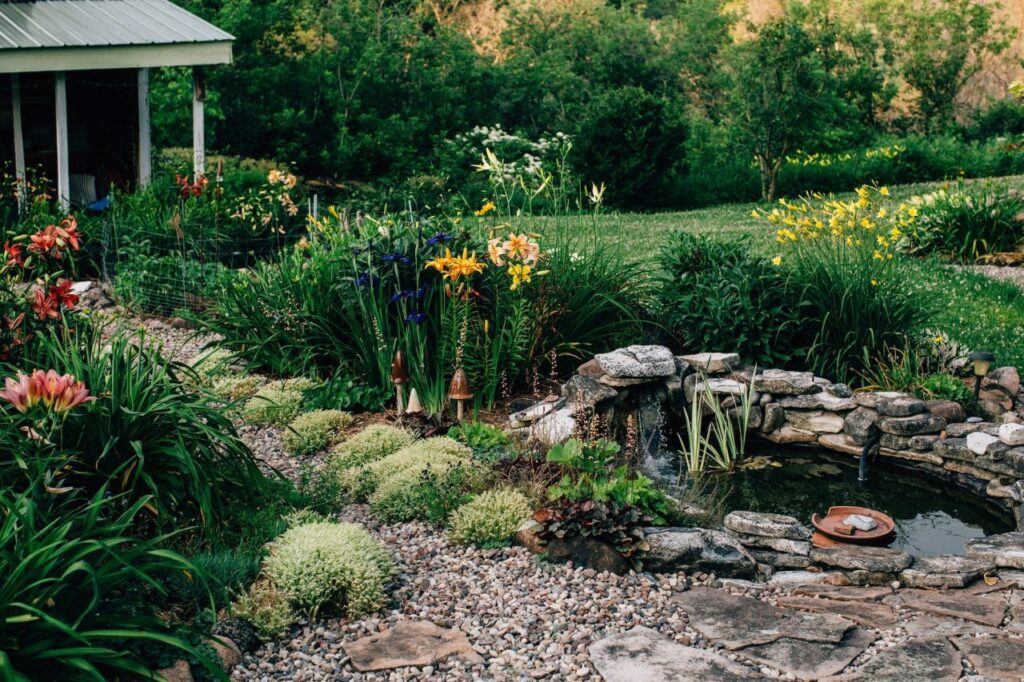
(315, 430)
(490, 518)
(337, 565)
(266, 608)
(430, 491)
(234, 388)
(211, 365)
(276, 403)
(360, 482)
(370, 444)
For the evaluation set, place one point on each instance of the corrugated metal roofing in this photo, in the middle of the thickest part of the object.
(101, 23)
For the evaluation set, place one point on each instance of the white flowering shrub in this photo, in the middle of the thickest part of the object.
(334, 565)
(266, 608)
(372, 443)
(316, 430)
(522, 159)
(491, 518)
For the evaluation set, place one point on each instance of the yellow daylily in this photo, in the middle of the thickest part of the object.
(520, 274)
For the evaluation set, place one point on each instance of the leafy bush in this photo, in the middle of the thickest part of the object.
(343, 392)
(266, 608)
(335, 565)
(716, 294)
(488, 443)
(78, 596)
(856, 301)
(946, 387)
(374, 442)
(212, 366)
(429, 490)
(312, 431)
(227, 572)
(234, 388)
(967, 222)
(277, 403)
(619, 525)
(145, 433)
(490, 518)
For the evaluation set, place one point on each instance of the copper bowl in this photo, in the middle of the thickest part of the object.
(882, 534)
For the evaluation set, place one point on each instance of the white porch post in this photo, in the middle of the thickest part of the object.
(145, 159)
(19, 140)
(198, 132)
(63, 172)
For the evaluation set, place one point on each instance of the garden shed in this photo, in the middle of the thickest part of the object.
(76, 100)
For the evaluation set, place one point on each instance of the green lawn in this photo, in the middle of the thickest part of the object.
(972, 309)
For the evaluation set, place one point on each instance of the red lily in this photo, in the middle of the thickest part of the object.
(45, 307)
(14, 255)
(61, 293)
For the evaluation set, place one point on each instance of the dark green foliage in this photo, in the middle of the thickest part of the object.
(78, 590)
(342, 392)
(716, 295)
(621, 526)
(488, 443)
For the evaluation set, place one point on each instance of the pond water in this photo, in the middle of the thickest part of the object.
(932, 516)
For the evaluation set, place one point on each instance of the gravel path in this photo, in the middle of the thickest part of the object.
(1008, 274)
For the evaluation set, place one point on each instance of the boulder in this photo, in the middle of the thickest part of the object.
(954, 448)
(787, 434)
(783, 545)
(861, 424)
(1012, 434)
(409, 643)
(1000, 385)
(817, 401)
(1005, 550)
(911, 425)
(557, 427)
(227, 651)
(712, 363)
(815, 421)
(780, 382)
(950, 410)
(696, 550)
(587, 392)
(766, 525)
(943, 571)
(638, 362)
(892, 442)
(180, 671)
(528, 536)
(901, 407)
(857, 557)
(586, 552)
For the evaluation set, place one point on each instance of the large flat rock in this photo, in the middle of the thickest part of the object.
(869, 614)
(810, 660)
(409, 643)
(696, 549)
(1005, 550)
(943, 571)
(844, 593)
(782, 382)
(855, 557)
(921, 660)
(736, 622)
(984, 609)
(767, 525)
(924, 625)
(644, 655)
(996, 658)
(638, 362)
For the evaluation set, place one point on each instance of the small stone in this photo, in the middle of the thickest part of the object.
(557, 427)
(528, 536)
(227, 651)
(978, 443)
(779, 559)
(767, 525)
(855, 557)
(995, 658)
(781, 382)
(911, 425)
(861, 424)
(839, 390)
(589, 552)
(1012, 434)
(590, 368)
(923, 443)
(712, 363)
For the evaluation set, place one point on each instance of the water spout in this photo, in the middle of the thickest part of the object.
(871, 449)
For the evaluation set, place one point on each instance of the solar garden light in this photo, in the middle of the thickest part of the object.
(982, 361)
(399, 376)
(459, 392)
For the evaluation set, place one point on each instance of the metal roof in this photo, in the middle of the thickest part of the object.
(101, 23)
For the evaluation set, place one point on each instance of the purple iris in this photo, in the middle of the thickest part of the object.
(416, 317)
(396, 257)
(439, 238)
(421, 292)
(404, 293)
(367, 279)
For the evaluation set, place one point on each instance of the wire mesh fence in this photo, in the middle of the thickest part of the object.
(180, 267)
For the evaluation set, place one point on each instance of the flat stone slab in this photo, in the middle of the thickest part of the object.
(930, 626)
(921, 660)
(783, 545)
(409, 643)
(998, 658)
(853, 557)
(810, 660)
(913, 425)
(817, 401)
(736, 622)
(843, 593)
(869, 614)
(696, 549)
(944, 571)
(800, 578)
(782, 382)
(644, 655)
(769, 525)
(638, 362)
(1005, 579)
(712, 363)
(984, 609)
(1005, 550)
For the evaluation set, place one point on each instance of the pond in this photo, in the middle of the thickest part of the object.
(932, 516)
